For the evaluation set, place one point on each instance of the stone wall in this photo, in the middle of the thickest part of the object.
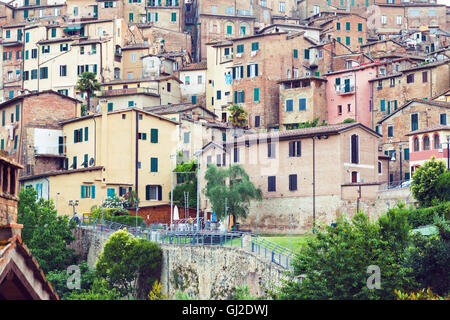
(203, 272)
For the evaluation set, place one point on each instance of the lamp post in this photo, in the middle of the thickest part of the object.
(448, 153)
(198, 190)
(171, 189)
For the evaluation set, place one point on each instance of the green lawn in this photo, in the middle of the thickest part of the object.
(285, 240)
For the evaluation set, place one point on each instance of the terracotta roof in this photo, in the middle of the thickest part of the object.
(442, 104)
(195, 66)
(16, 243)
(175, 108)
(304, 133)
(31, 94)
(436, 127)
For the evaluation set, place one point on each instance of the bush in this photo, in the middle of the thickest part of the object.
(425, 182)
(420, 295)
(129, 220)
(423, 216)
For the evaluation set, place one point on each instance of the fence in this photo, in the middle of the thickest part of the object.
(397, 184)
(258, 245)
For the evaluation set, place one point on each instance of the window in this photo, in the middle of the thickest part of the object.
(45, 49)
(354, 141)
(236, 154)
(354, 176)
(281, 6)
(153, 192)
(292, 182)
(271, 150)
(87, 191)
(194, 99)
(416, 144)
(256, 94)
(436, 142)
(186, 137)
(229, 29)
(443, 119)
(289, 105)
(295, 148)
(338, 26)
(425, 76)
(426, 143)
(199, 79)
(252, 70)
(187, 80)
(406, 154)
(347, 41)
(410, 78)
(271, 184)
(154, 135)
(219, 160)
(168, 86)
(306, 54)
(339, 110)
(383, 19)
(399, 20)
(174, 17)
(347, 26)
(63, 47)
(360, 27)
(240, 48)
(255, 46)
(43, 73)
(153, 164)
(380, 167)
(63, 71)
(390, 131)
(53, 32)
(239, 96)
(338, 39)
(130, 17)
(382, 105)
(302, 104)
(257, 121)
(414, 122)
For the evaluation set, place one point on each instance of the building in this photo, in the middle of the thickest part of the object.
(417, 114)
(296, 176)
(219, 78)
(255, 77)
(193, 88)
(429, 142)
(21, 278)
(30, 130)
(101, 161)
(406, 81)
(302, 100)
(348, 94)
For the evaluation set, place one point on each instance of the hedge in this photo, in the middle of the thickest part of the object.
(424, 216)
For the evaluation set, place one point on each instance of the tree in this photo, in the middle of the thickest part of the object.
(443, 186)
(58, 279)
(98, 291)
(45, 233)
(186, 173)
(238, 116)
(335, 263)
(238, 192)
(88, 84)
(129, 265)
(425, 181)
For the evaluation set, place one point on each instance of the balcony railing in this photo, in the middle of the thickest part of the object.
(116, 92)
(345, 89)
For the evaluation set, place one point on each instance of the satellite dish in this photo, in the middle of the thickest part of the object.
(91, 162)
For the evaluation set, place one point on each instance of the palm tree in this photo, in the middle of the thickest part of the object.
(238, 116)
(88, 83)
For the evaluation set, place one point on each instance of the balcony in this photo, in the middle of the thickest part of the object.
(345, 89)
(47, 151)
(118, 92)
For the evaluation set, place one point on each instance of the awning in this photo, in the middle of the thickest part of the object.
(73, 28)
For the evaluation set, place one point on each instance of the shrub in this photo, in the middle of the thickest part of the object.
(425, 182)
(129, 220)
(419, 295)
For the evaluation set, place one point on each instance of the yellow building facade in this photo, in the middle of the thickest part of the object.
(106, 154)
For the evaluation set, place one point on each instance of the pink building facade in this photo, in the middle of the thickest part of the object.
(427, 143)
(348, 94)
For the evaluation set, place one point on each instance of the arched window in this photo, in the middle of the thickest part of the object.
(437, 143)
(426, 143)
(416, 144)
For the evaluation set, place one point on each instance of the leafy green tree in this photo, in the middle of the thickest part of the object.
(87, 83)
(186, 174)
(58, 279)
(425, 181)
(443, 187)
(335, 263)
(238, 192)
(238, 116)
(98, 291)
(45, 233)
(129, 265)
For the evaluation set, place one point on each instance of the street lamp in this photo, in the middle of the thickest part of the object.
(198, 191)
(401, 176)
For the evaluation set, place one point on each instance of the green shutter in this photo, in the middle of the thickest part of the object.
(338, 81)
(306, 54)
(83, 192)
(154, 135)
(360, 27)
(17, 112)
(382, 105)
(86, 133)
(110, 106)
(256, 94)
(347, 26)
(15, 142)
(338, 26)
(295, 53)
(153, 164)
(93, 192)
(3, 117)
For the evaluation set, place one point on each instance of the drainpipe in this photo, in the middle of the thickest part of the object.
(95, 141)
(48, 190)
(356, 100)
(101, 62)
(314, 182)
(136, 181)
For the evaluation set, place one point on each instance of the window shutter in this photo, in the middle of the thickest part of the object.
(86, 134)
(291, 149)
(248, 71)
(382, 105)
(159, 193)
(83, 192)
(154, 135)
(60, 145)
(75, 136)
(299, 148)
(80, 135)
(93, 192)
(147, 192)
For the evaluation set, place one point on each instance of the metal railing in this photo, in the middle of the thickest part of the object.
(397, 184)
(160, 233)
